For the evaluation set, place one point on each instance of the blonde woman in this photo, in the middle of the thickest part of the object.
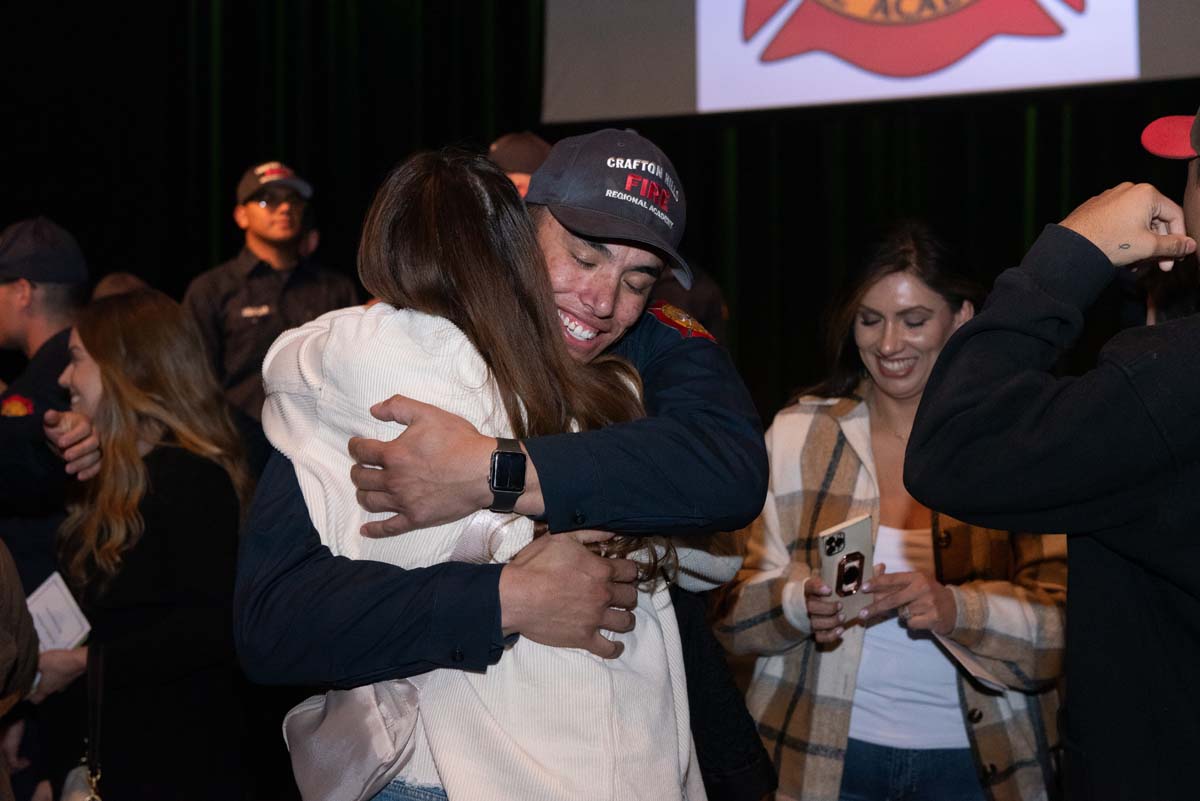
(149, 550)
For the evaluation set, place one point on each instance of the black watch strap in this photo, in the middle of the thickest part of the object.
(506, 476)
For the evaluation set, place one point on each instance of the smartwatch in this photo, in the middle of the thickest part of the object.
(506, 478)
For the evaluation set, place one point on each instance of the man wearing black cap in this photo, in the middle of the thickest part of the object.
(43, 282)
(245, 303)
(609, 212)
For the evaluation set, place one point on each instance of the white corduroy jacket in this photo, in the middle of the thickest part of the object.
(543, 723)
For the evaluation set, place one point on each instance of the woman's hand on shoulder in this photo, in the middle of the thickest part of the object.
(58, 669)
(922, 602)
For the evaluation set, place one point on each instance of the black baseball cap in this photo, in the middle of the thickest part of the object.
(38, 250)
(271, 173)
(615, 186)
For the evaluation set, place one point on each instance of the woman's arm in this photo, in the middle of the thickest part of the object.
(1016, 628)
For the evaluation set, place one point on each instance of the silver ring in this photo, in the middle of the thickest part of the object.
(905, 613)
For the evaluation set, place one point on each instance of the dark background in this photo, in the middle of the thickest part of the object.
(130, 124)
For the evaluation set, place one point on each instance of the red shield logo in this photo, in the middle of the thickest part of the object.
(16, 406)
(897, 38)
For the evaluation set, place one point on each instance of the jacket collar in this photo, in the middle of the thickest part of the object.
(851, 416)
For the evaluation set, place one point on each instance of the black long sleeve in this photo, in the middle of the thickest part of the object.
(999, 440)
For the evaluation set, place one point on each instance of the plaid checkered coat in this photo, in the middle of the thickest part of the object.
(1010, 591)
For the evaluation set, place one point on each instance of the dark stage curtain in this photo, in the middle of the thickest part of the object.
(130, 124)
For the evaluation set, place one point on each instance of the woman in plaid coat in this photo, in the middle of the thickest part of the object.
(874, 707)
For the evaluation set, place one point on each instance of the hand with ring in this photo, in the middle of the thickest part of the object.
(922, 602)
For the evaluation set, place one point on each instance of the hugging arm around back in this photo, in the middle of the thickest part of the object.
(304, 616)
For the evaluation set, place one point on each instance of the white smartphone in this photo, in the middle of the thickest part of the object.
(846, 563)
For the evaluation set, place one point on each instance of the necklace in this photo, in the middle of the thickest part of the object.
(878, 424)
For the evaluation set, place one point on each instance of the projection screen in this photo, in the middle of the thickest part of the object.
(638, 58)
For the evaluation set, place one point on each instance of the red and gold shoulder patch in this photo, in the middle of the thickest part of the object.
(675, 317)
(16, 406)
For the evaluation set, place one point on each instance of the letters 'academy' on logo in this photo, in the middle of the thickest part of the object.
(898, 38)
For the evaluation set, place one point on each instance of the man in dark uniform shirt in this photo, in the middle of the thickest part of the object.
(43, 282)
(245, 303)
(696, 463)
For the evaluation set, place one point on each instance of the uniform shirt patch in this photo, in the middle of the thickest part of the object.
(675, 317)
(16, 406)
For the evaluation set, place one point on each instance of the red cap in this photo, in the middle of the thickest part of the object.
(1173, 137)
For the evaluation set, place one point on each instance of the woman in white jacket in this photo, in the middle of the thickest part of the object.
(467, 323)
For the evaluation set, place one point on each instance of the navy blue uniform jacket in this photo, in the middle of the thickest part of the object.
(697, 462)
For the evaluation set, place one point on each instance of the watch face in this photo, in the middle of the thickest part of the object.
(508, 472)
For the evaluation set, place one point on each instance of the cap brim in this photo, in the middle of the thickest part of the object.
(611, 228)
(1170, 137)
(303, 187)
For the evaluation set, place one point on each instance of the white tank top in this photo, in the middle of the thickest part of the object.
(907, 692)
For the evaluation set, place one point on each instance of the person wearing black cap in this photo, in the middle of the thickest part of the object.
(1112, 457)
(245, 303)
(43, 282)
(610, 213)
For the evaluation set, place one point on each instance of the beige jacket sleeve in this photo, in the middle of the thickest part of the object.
(1016, 628)
(763, 611)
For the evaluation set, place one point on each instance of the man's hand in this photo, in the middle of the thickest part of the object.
(434, 472)
(558, 593)
(71, 436)
(1131, 223)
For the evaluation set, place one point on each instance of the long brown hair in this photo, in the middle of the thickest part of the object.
(448, 235)
(910, 247)
(156, 385)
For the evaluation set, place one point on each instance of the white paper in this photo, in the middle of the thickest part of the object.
(58, 619)
(970, 664)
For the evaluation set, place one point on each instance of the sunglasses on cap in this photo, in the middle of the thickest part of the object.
(271, 199)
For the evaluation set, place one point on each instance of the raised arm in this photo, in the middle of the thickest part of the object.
(1000, 441)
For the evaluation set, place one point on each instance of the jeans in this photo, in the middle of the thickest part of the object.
(399, 790)
(880, 773)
